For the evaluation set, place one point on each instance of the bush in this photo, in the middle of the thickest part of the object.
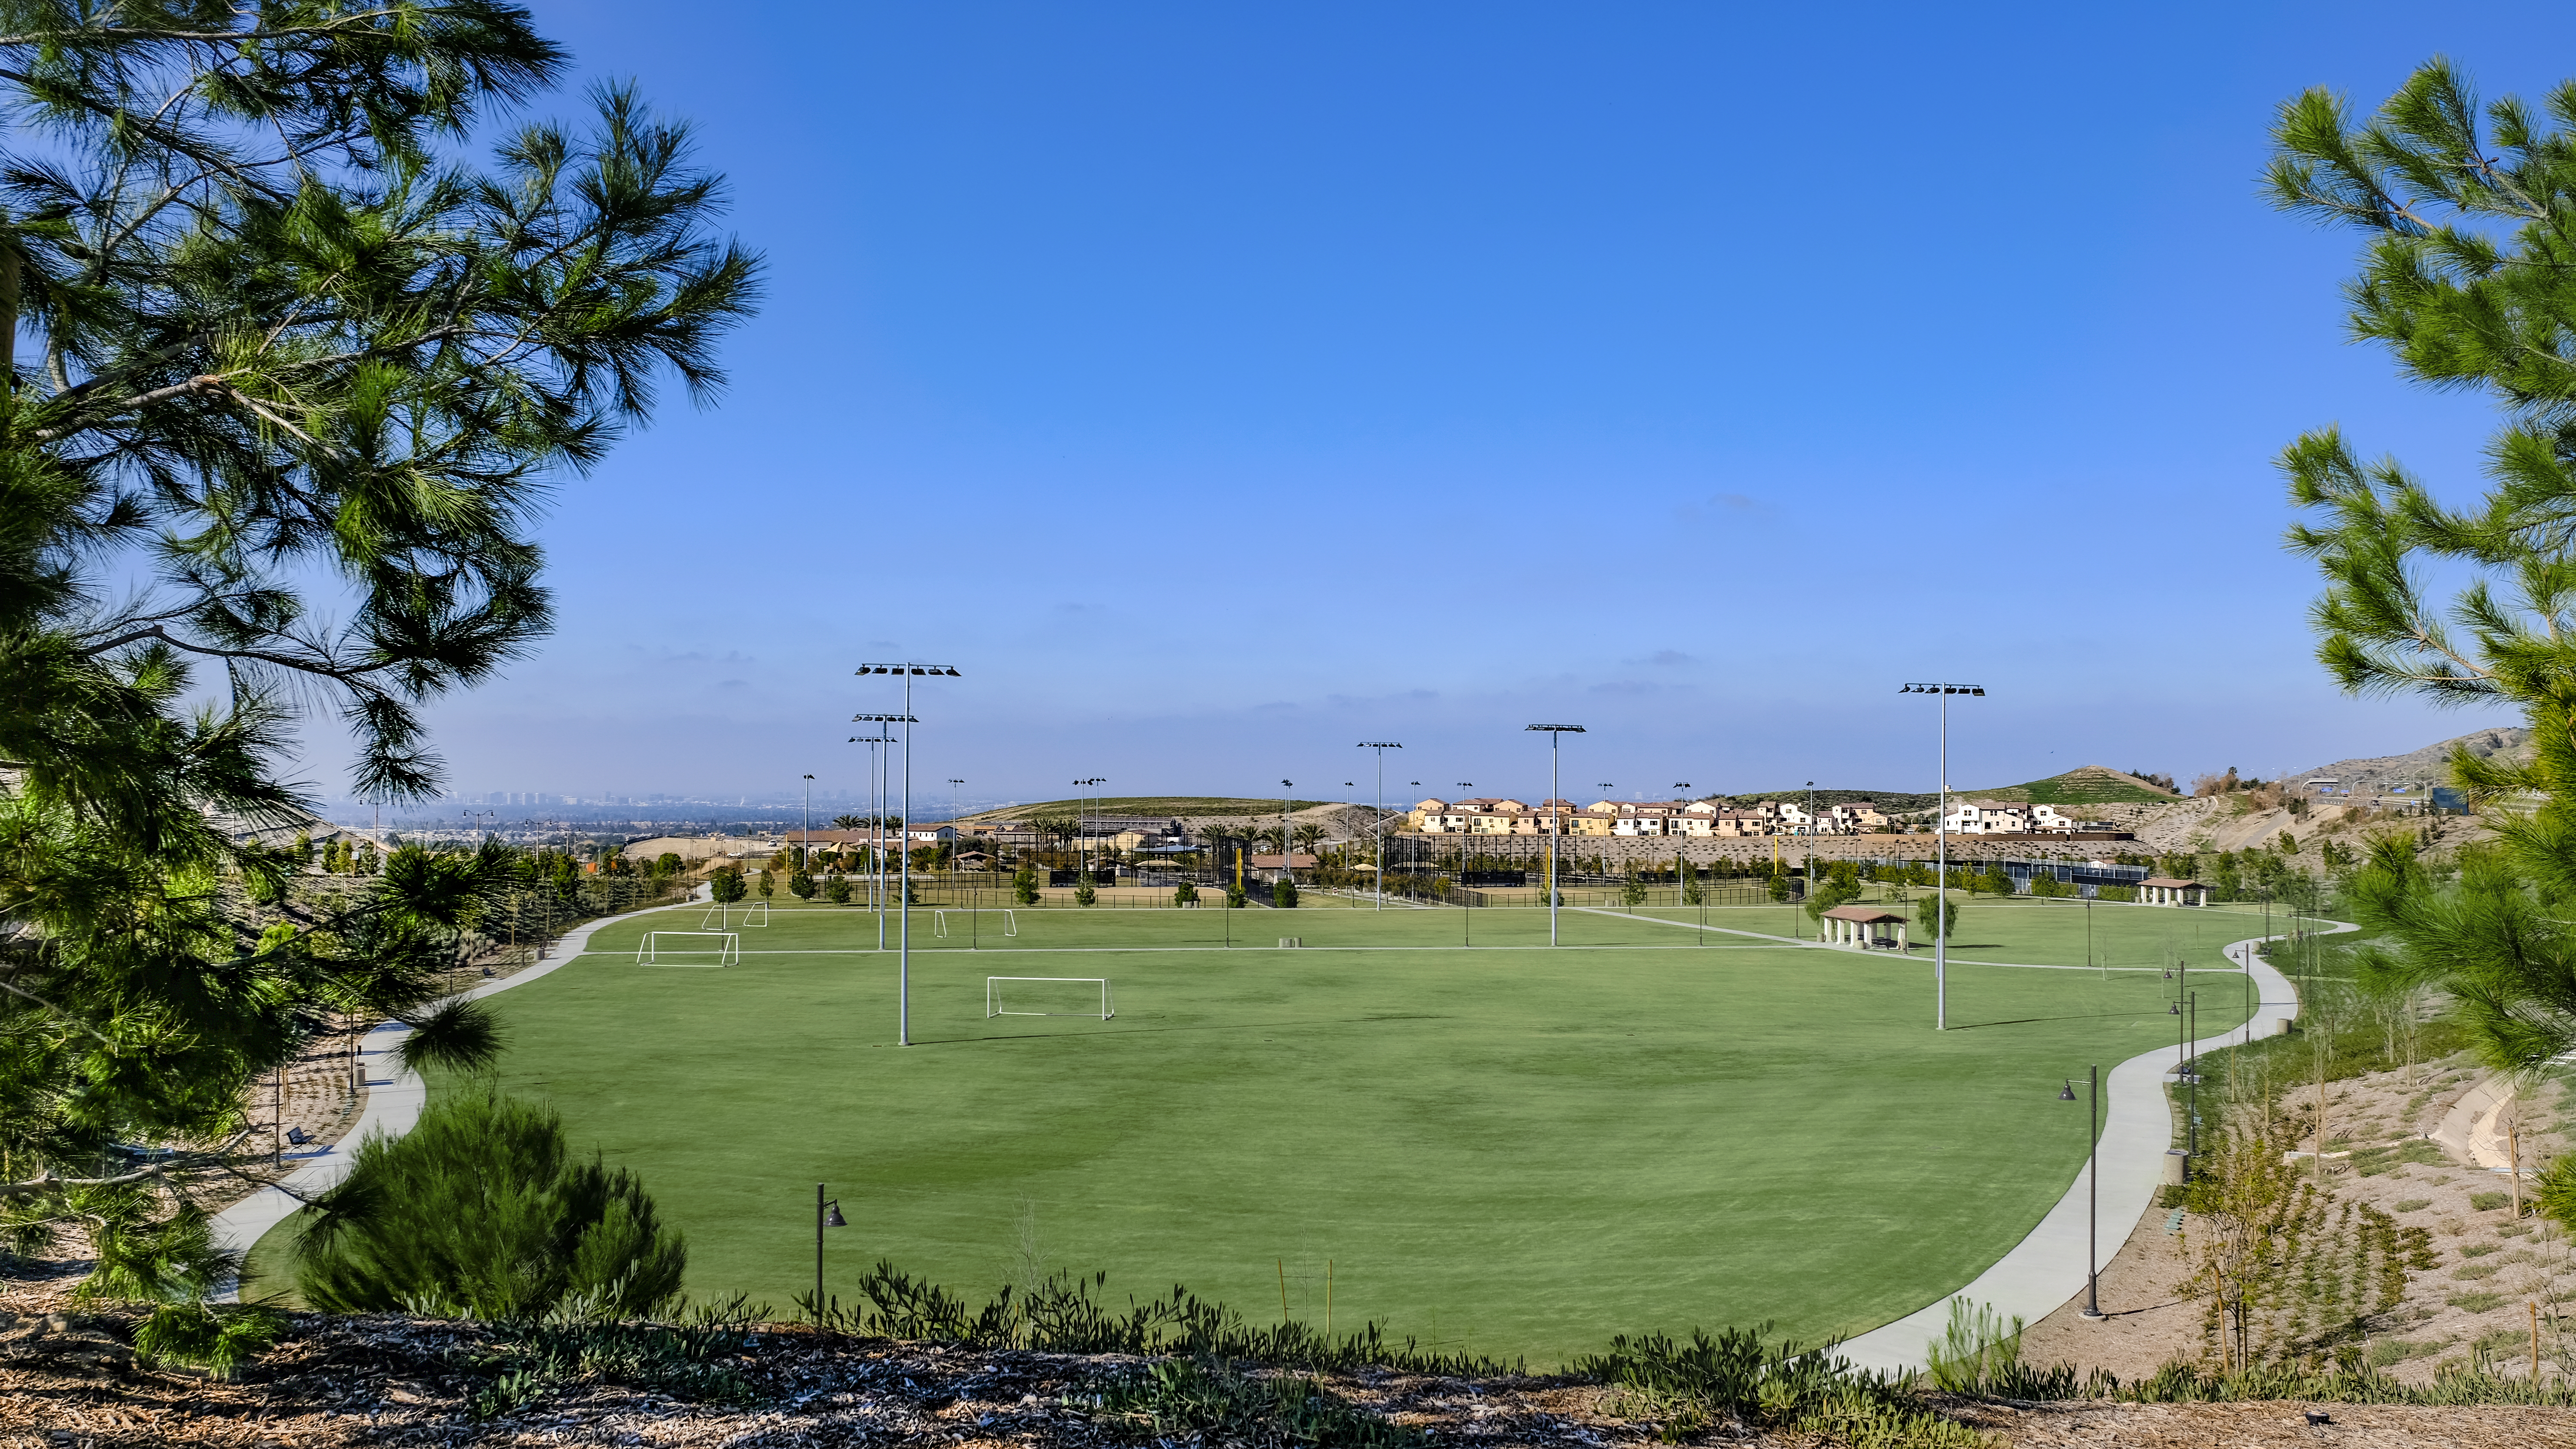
(2487, 1202)
(1024, 886)
(801, 886)
(728, 885)
(1933, 921)
(482, 1210)
(1632, 893)
(837, 889)
(1185, 894)
(768, 884)
(1779, 888)
(1284, 895)
(1234, 898)
(1083, 892)
(196, 1335)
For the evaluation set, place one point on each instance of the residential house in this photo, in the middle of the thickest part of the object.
(1856, 817)
(1988, 817)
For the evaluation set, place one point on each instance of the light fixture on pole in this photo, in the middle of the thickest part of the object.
(804, 861)
(1287, 832)
(2093, 1191)
(1941, 851)
(1381, 746)
(1082, 813)
(1556, 733)
(1466, 931)
(826, 1215)
(903, 922)
(1811, 837)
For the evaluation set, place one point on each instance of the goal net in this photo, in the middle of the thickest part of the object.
(724, 946)
(754, 913)
(1047, 996)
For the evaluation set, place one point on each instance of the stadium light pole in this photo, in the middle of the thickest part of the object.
(1555, 733)
(806, 859)
(876, 782)
(1381, 746)
(903, 924)
(1941, 854)
(1466, 931)
(1287, 834)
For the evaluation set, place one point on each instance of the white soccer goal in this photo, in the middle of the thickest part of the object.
(1030, 996)
(754, 913)
(1010, 922)
(727, 948)
(939, 923)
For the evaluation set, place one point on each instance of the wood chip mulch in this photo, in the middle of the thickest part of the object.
(68, 1381)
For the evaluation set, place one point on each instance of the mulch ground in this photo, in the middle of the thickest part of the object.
(67, 1381)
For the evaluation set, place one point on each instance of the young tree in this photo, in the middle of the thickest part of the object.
(2466, 210)
(1936, 918)
(837, 889)
(801, 886)
(727, 885)
(1024, 885)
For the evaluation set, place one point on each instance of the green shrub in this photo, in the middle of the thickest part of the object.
(2487, 1202)
(801, 886)
(1930, 919)
(837, 890)
(2413, 1205)
(1234, 898)
(1084, 893)
(1024, 886)
(727, 885)
(1185, 894)
(482, 1210)
(1284, 895)
(1632, 893)
(2475, 1302)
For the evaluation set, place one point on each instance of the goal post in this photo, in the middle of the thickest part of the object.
(727, 947)
(1010, 922)
(1033, 996)
(754, 913)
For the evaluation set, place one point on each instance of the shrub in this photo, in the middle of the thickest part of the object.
(1084, 893)
(768, 884)
(1024, 886)
(2475, 1302)
(2487, 1202)
(1234, 897)
(1632, 893)
(481, 1209)
(1208, 1400)
(1779, 888)
(837, 890)
(217, 1339)
(1284, 895)
(2413, 1205)
(1185, 894)
(801, 886)
(727, 884)
(1933, 921)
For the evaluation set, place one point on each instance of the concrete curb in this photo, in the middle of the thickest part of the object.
(2047, 1268)
(394, 1102)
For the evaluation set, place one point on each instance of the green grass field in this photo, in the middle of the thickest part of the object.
(1506, 1148)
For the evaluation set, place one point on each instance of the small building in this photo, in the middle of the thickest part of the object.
(1864, 927)
(2164, 890)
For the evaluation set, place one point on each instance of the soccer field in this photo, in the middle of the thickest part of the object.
(1511, 1149)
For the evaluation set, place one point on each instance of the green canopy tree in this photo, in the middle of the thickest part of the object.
(2468, 219)
(284, 378)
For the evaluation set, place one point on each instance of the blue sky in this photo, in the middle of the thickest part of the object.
(1218, 387)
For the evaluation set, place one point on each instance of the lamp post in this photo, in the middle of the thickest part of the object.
(1381, 746)
(805, 857)
(1811, 837)
(1556, 734)
(826, 1215)
(1081, 819)
(903, 927)
(2092, 1190)
(1941, 852)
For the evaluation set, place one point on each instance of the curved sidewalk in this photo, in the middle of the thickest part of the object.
(394, 1101)
(2047, 1268)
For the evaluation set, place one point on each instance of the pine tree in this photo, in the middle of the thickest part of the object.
(2467, 213)
(262, 325)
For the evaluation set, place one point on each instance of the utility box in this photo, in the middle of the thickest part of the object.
(2177, 1167)
(2281, 1027)
(1291, 942)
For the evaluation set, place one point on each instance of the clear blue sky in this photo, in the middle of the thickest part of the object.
(1219, 386)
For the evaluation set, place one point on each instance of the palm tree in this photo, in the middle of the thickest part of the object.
(1307, 835)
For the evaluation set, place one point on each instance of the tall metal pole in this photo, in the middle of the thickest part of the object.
(903, 923)
(803, 860)
(1941, 853)
(1556, 733)
(1381, 746)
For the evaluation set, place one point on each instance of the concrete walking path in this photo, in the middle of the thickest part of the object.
(2048, 1267)
(394, 1102)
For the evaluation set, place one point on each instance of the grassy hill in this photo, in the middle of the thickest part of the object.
(1188, 805)
(1897, 800)
(2083, 785)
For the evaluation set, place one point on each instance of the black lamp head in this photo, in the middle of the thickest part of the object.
(2067, 1094)
(2174, 1010)
(832, 1215)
